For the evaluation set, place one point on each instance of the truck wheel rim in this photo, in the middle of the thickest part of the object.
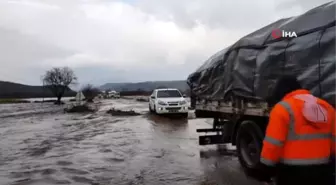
(249, 150)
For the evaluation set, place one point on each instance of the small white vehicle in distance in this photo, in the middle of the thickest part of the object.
(113, 94)
(168, 101)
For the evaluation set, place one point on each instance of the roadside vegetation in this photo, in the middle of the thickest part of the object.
(90, 92)
(9, 101)
(45, 101)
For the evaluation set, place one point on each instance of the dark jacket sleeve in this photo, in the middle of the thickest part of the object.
(333, 164)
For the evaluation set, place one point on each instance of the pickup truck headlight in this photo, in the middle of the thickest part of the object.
(183, 102)
(162, 102)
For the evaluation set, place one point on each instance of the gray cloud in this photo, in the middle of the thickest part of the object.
(20, 55)
(304, 4)
(233, 15)
(130, 40)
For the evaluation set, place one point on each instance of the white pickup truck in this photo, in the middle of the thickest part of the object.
(168, 101)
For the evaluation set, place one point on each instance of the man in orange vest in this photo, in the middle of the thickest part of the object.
(299, 146)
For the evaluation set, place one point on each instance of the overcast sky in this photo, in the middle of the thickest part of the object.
(126, 40)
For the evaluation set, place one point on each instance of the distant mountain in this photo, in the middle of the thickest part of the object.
(146, 86)
(15, 90)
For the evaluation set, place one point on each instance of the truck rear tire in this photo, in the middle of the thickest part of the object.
(249, 145)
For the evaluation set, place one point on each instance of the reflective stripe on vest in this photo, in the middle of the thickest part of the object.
(273, 141)
(267, 161)
(296, 161)
(317, 161)
(293, 136)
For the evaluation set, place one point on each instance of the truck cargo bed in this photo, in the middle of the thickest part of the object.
(209, 108)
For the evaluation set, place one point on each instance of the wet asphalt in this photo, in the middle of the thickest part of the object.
(41, 145)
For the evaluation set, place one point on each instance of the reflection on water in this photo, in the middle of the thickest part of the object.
(166, 121)
(58, 148)
(218, 151)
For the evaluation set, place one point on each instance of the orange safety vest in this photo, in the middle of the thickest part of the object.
(301, 131)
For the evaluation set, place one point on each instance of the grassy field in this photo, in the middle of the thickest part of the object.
(8, 101)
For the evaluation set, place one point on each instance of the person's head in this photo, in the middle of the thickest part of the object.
(283, 85)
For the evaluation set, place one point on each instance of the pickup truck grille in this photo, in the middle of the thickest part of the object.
(173, 103)
(173, 108)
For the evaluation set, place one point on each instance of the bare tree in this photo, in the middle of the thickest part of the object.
(58, 81)
(90, 92)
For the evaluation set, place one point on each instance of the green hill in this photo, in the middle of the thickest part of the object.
(15, 90)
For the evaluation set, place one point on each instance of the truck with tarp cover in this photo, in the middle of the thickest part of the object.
(233, 85)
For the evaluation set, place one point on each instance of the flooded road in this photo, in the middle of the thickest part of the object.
(41, 145)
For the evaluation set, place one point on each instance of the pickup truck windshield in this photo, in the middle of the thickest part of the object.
(168, 94)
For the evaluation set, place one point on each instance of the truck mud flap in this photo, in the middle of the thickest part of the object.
(213, 139)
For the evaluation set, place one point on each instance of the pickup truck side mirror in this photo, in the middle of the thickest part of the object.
(184, 96)
(152, 97)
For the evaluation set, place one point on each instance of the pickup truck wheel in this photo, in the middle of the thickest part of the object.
(184, 115)
(150, 109)
(155, 110)
(249, 145)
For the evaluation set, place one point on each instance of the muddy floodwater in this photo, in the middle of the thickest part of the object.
(41, 145)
